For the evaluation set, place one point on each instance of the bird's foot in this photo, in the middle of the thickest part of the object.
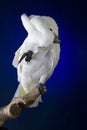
(41, 88)
(27, 56)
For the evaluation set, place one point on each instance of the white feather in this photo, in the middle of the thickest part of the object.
(45, 58)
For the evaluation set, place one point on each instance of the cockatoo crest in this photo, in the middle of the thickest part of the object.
(42, 27)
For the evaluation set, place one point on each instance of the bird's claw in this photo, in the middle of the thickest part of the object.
(27, 56)
(42, 88)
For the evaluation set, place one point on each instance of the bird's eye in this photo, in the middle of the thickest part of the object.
(50, 29)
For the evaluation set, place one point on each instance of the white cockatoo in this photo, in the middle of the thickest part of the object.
(38, 56)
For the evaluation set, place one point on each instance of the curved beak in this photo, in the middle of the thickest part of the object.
(56, 39)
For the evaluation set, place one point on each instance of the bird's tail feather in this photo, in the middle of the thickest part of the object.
(20, 92)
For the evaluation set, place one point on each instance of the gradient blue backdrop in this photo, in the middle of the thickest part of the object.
(65, 104)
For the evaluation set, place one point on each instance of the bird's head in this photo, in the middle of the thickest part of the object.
(43, 24)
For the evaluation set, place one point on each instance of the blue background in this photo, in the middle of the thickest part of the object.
(65, 103)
